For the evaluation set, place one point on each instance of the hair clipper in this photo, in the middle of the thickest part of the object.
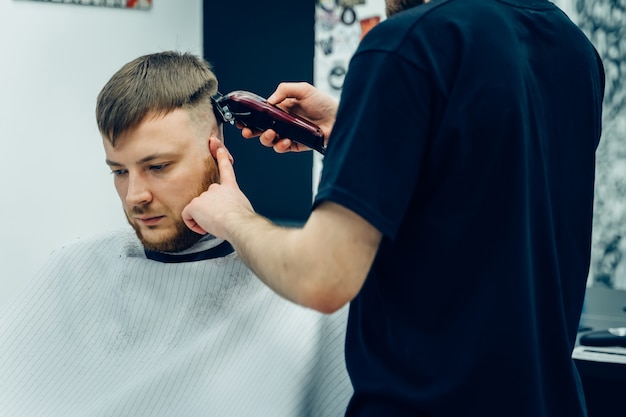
(255, 112)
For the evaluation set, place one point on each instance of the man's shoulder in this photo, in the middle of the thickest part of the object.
(120, 240)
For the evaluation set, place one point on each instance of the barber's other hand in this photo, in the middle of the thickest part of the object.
(304, 100)
(215, 144)
(211, 211)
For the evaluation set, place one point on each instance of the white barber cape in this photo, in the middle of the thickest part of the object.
(105, 331)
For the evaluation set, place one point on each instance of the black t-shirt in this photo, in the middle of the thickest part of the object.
(466, 134)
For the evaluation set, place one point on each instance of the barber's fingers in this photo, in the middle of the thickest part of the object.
(280, 94)
(188, 214)
(191, 224)
(248, 133)
(287, 145)
(270, 139)
(266, 136)
(225, 166)
(287, 90)
(215, 144)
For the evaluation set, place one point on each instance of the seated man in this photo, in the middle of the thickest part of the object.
(163, 321)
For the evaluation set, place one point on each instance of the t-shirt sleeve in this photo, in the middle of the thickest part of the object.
(378, 145)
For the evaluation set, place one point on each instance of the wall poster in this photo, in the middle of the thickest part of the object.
(339, 26)
(123, 4)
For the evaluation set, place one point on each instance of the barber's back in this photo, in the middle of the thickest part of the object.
(487, 114)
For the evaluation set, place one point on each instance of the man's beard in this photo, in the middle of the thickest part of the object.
(396, 6)
(184, 237)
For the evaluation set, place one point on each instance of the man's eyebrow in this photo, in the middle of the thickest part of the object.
(143, 160)
(112, 163)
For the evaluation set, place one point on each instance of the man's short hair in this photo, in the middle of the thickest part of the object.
(153, 85)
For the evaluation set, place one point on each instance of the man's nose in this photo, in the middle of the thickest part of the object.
(138, 192)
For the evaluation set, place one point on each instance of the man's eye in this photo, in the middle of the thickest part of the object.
(118, 172)
(159, 167)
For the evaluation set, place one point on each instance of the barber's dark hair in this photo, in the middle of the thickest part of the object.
(396, 6)
(153, 85)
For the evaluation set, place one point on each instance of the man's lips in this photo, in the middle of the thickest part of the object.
(149, 220)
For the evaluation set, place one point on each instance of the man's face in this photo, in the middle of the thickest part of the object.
(158, 168)
(397, 6)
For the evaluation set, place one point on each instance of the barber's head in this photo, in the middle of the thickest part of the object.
(396, 6)
(155, 117)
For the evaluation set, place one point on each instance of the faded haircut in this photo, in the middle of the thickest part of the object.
(153, 85)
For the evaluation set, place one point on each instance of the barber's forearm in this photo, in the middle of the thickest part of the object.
(285, 260)
(321, 266)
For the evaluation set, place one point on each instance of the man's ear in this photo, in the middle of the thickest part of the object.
(217, 131)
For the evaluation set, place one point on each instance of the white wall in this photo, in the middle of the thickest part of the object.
(54, 60)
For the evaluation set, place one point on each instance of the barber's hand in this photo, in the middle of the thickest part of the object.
(211, 211)
(215, 144)
(304, 100)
